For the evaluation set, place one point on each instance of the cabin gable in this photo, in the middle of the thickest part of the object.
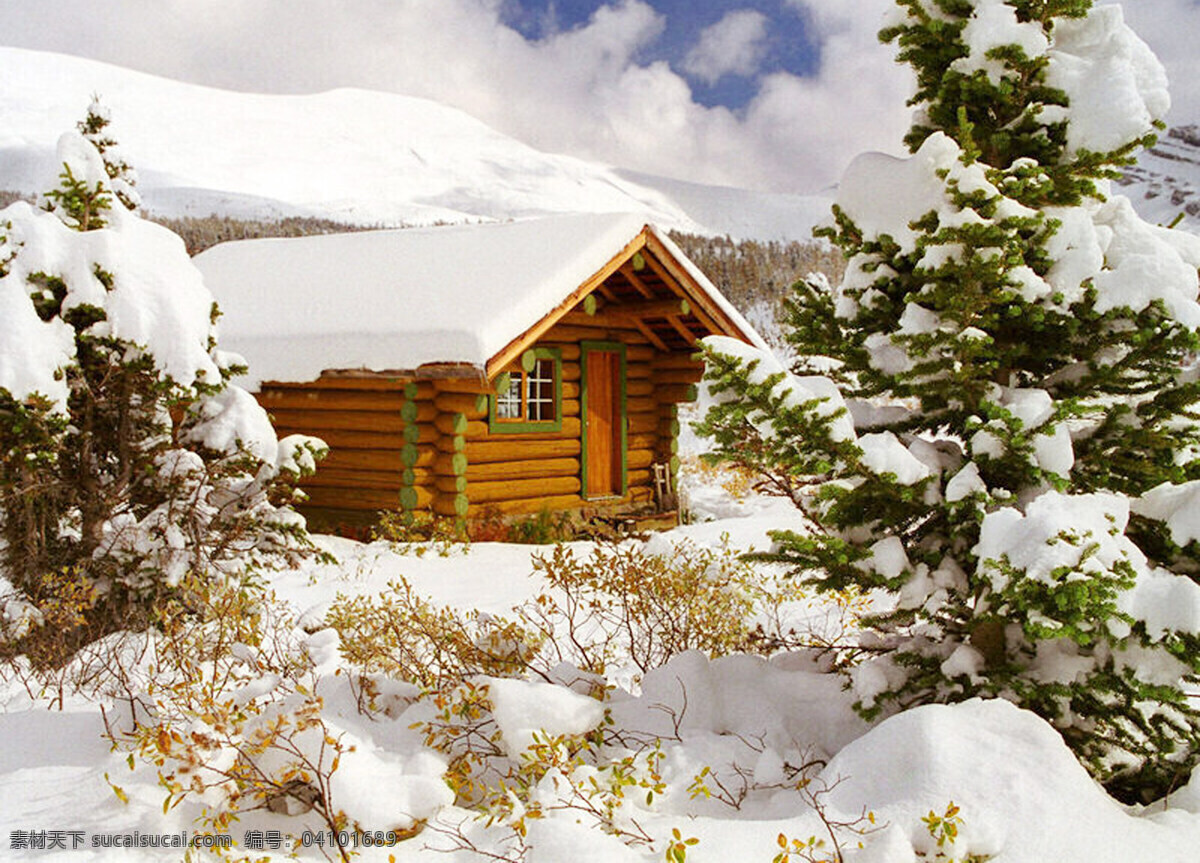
(578, 412)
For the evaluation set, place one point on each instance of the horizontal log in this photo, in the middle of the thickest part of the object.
(639, 458)
(339, 478)
(610, 319)
(526, 507)
(646, 404)
(637, 371)
(464, 385)
(311, 421)
(450, 443)
(643, 423)
(504, 449)
(417, 476)
(450, 424)
(639, 477)
(458, 424)
(577, 333)
(676, 393)
(640, 353)
(418, 412)
(521, 489)
(339, 439)
(353, 498)
(570, 407)
(639, 388)
(522, 469)
(471, 405)
(415, 497)
(567, 351)
(415, 455)
(451, 504)
(571, 389)
(678, 360)
(362, 459)
(677, 376)
(450, 464)
(645, 440)
(668, 427)
(477, 430)
(450, 484)
(421, 433)
(571, 371)
(331, 400)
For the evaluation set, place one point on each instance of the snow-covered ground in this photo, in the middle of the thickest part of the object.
(751, 721)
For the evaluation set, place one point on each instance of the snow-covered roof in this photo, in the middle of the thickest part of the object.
(400, 299)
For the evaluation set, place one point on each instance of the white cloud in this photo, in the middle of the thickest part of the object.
(582, 91)
(735, 45)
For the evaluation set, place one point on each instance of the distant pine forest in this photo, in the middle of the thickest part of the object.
(754, 275)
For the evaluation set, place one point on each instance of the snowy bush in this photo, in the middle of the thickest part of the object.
(125, 453)
(228, 712)
(992, 420)
(622, 611)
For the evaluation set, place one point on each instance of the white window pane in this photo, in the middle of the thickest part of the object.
(508, 403)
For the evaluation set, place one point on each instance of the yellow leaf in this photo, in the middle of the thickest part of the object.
(117, 790)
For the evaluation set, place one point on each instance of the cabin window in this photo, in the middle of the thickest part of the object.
(532, 400)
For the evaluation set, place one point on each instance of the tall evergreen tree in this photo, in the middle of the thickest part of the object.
(1015, 348)
(127, 458)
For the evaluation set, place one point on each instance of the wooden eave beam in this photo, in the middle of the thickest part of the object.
(650, 335)
(683, 330)
(685, 290)
(653, 308)
(517, 346)
(634, 279)
(703, 308)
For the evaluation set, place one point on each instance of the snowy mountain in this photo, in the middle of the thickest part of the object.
(351, 155)
(1166, 180)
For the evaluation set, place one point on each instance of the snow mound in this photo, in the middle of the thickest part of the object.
(1023, 796)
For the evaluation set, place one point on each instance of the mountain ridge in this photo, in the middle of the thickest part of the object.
(350, 155)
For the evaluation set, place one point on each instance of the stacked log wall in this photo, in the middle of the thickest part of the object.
(676, 379)
(364, 423)
(522, 473)
(427, 445)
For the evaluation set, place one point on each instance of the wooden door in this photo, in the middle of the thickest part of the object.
(605, 424)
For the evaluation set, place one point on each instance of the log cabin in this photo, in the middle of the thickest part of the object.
(475, 371)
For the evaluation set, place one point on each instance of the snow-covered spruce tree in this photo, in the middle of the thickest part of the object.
(127, 459)
(1016, 463)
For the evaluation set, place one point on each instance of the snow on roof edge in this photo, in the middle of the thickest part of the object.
(406, 298)
(709, 288)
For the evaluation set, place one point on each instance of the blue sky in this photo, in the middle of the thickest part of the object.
(788, 42)
(775, 95)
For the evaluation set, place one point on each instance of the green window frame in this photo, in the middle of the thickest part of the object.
(532, 399)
